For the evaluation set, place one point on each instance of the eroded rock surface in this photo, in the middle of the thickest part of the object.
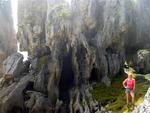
(7, 34)
(86, 42)
(31, 22)
(13, 65)
(143, 61)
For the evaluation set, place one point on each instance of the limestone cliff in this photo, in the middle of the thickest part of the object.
(72, 46)
(7, 34)
(31, 23)
(95, 28)
(138, 30)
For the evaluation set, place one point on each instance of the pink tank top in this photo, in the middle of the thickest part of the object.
(130, 83)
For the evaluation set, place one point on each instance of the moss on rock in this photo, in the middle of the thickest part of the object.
(41, 62)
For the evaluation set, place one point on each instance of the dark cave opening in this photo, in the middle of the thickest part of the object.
(67, 78)
(94, 77)
(29, 87)
(16, 110)
(77, 111)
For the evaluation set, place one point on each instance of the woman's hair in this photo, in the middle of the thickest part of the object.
(130, 74)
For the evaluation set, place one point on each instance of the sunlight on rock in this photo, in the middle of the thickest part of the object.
(24, 53)
(15, 21)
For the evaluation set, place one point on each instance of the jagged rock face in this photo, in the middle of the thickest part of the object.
(12, 96)
(81, 28)
(87, 42)
(142, 61)
(13, 65)
(31, 22)
(138, 33)
(7, 34)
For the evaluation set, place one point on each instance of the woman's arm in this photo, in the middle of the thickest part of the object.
(124, 83)
(134, 85)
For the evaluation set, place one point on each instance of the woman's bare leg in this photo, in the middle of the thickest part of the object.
(133, 97)
(127, 98)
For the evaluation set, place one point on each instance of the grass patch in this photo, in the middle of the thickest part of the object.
(116, 93)
(103, 94)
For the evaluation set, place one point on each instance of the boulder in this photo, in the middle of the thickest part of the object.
(41, 80)
(143, 61)
(13, 65)
(106, 81)
(12, 97)
(38, 103)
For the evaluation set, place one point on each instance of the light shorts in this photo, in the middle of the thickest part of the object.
(127, 90)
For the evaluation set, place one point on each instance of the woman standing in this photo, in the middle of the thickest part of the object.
(129, 85)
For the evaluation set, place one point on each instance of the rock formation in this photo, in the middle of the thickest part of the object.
(13, 65)
(138, 33)
(7, 34)
(143, 61)
(72, 46)
(31, 23)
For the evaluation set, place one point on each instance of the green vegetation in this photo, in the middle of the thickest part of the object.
(115, 93)
(102, 93)
(41, 62)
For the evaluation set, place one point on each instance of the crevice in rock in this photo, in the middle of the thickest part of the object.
(16, 110)
(28, 87)
(67, 78)
(111, 49)
(94, 76)
(77, 111)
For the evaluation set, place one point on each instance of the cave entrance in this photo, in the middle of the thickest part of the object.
(15, 110)
(67, 78)
(94, 76)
